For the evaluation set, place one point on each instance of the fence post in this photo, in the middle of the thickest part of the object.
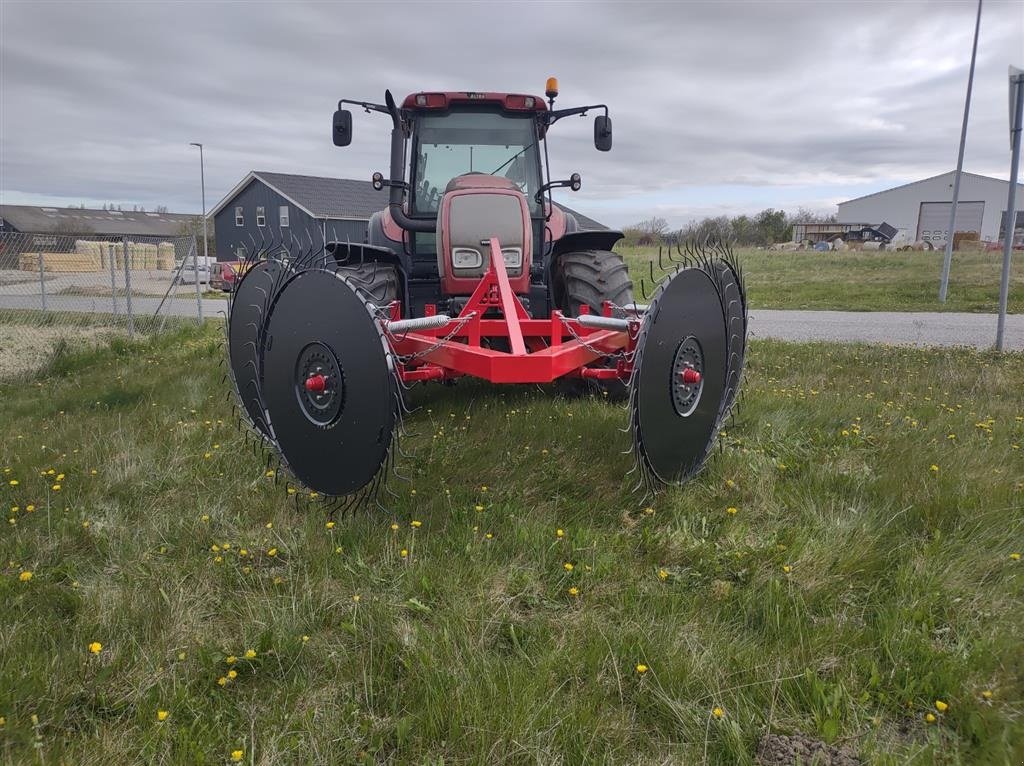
(113, 280)
(42, 280)
(199, 292)
(128, 287)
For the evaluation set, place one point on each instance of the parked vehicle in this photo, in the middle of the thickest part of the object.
(225, 275)
(190, 271)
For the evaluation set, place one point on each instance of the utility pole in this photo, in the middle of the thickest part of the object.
(202, 182)
(948, 260)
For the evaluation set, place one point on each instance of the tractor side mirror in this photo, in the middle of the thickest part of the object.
(575, 182)
(603, 133)
(342, 127)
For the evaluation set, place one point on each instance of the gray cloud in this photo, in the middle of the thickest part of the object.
(717, 106)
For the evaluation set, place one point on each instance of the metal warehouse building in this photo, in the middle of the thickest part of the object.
(920, 210)
(311, 208)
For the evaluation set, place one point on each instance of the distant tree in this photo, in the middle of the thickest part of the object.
(161, 209)
(774, 226)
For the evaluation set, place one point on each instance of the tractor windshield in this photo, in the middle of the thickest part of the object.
(477, 141)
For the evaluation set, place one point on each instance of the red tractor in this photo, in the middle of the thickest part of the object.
(472, 270)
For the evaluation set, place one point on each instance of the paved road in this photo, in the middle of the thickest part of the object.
(900, 328)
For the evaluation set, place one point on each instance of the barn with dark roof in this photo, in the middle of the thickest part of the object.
(284, 206)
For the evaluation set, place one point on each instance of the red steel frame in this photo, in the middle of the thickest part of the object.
(541, 350)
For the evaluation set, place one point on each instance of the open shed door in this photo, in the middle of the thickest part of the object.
(934, 220)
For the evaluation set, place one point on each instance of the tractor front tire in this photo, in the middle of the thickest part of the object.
(374, 282)
(589, 278)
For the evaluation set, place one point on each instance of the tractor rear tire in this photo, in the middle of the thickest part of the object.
(589, 278)
(374, 282)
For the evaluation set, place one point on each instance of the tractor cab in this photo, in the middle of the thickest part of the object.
(465, 165)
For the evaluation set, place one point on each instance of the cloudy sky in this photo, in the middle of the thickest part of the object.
(718, 107)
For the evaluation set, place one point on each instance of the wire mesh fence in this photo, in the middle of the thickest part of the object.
(67, 292)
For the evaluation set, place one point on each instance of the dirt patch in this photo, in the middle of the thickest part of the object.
(24, 348)
(798, 750)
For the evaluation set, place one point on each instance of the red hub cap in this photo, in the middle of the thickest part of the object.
(316, 383)
(690, 376)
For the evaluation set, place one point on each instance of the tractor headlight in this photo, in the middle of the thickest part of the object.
(513, 257)
(466, 258)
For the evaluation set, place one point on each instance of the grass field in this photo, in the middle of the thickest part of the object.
(849, 562)
(864, 281)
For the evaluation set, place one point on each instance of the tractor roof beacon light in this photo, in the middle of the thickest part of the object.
(551, 90)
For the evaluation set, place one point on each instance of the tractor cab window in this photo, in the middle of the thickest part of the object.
(492, 143)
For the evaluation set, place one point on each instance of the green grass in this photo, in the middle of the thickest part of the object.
(863, 281)
(901, 589)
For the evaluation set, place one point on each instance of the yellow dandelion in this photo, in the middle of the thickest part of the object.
(404, 553)
(483, 488)
(305, 639)
(204, 518)
(55, 487)
(161, 715)
(291, 490)
(356, 598)
(662, 575)
(934, 468)
(648, 511)
(272, 552)
(987, 694)
(85, 524)
(14, 482)
(215, 548)
(568, 567)
(232, 674)
(929, 718)
(222, 681)
(479, 508)
(278, 580)
(718, 712)
(231, 659)
(237, 755)
(181, 656)
(730, 483)
(242, 553)
(394, 527)
(218, 559)
(574, 591)
(1015, 556)
(338, 549)
(787, 568)
(941, 706)
(641, 668)
(250, 654)
(731, 510)
(30, 507)
(329, 525)
(559, 533)
(25, 576)
(95, 647)
(489, 536)
(269, 525)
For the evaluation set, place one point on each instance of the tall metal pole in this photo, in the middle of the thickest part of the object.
(944, 286)
(206, 236)
(1011, 207)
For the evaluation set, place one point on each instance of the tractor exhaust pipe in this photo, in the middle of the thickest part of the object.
(398, 186)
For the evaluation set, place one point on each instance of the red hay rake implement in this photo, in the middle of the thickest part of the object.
(322, 342)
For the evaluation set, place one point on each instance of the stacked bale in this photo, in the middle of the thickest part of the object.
(94, 250)
(58, 263)
(165, 256)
